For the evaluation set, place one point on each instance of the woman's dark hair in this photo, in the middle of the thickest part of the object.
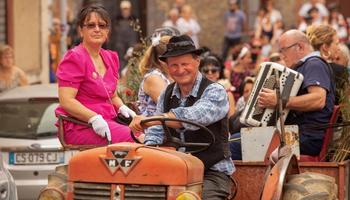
(96, 8)
(213, 60)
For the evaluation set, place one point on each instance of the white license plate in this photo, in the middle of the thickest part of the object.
(35, 158)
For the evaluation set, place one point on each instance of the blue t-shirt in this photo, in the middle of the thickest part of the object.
(234, 22)
(316, 73)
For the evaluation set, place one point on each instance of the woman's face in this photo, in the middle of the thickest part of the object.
(247, 90)
(247, 60)
(7, 60)
(211, 72)
(334, 47)
(95, 30)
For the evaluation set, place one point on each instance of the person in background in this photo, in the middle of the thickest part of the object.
(125, 36)
(10, 75)
(195, 98)
(155, 76)
(305, 9)
(188, 25)
(240, 67)
(55, 47)
(337, 21)
(213, 69)
(343, 58)
(314, 102)
(324, 39)
(173, 16)
(178, 4)
(235, 124)
(87, 79)
(276, 57)
(234, 22)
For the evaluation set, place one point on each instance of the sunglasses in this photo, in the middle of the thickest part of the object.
(92, 26)
(212, 70)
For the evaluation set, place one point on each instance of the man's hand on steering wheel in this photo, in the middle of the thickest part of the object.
(135, 124)
(139, 123)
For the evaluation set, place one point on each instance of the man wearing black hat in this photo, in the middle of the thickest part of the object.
(193, 97)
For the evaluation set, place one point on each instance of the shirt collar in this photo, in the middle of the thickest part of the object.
(194, 91)
(312, 54)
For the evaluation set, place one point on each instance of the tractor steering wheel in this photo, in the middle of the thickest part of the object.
(170, 140)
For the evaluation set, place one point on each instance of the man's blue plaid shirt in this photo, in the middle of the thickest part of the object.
(211, 107)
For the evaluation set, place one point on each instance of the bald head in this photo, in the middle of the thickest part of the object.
(295, 36)
(294, 45)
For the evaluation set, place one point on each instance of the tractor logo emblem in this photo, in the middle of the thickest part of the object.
(120, 160)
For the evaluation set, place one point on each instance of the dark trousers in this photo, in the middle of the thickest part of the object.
(308, 146)
(228, 43)
(216, 186)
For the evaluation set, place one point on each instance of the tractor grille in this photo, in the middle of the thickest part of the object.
(92, 191)
(102, 191)
(141, 192)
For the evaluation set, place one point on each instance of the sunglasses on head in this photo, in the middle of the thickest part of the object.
(212, 70)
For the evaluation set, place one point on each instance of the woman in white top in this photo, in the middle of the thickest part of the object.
(188, 25)
(155, 76)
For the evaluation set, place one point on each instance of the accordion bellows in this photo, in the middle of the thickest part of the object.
(290, 82)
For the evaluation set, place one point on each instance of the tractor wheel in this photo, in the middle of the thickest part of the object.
(310, 186)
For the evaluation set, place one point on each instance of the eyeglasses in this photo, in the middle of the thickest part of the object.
(284, 49)
(92, 26)
(184, 45)
(212, 70)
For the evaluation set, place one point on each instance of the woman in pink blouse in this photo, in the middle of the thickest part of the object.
(87, 78)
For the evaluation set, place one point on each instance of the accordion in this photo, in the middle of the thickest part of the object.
(289, 84)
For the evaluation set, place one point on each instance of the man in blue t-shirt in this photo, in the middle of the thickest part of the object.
(315, 100)
(234, 20)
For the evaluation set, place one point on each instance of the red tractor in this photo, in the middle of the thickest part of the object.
(131, 171)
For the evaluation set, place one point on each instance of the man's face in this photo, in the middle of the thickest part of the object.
(183, 69)
(288, 51)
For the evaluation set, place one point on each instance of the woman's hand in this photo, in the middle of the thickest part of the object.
(100, 126)
(126, 111)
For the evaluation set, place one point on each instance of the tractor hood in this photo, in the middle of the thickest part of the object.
(135, 164)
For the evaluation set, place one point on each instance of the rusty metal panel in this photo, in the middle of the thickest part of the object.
(255, 141)
(250, 177)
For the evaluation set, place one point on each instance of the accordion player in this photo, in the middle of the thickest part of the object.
(289, 82)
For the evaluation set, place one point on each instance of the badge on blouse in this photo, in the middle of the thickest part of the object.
(94, 75)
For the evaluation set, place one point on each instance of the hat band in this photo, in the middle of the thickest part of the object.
(184, 45)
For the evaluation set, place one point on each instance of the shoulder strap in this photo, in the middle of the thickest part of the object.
(167, 96)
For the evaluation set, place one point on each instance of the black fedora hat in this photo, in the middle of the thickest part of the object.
(180, 45)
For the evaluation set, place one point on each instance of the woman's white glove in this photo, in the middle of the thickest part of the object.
(100, 126)
(126, 111)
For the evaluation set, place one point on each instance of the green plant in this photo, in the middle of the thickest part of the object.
(128, 89)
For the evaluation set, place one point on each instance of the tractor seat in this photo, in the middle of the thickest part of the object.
(326, 140)
(61, 119)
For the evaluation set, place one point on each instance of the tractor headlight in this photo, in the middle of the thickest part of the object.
(185, 192)
(51, 194)
(188, 195)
